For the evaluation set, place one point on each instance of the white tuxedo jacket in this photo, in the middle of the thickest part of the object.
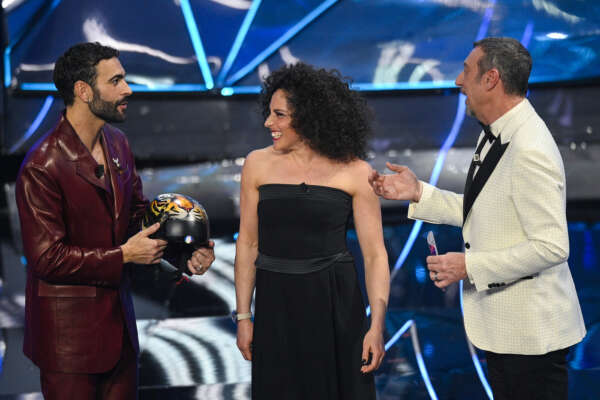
(519, 297)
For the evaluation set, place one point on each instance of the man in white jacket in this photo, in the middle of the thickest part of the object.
(520, 303)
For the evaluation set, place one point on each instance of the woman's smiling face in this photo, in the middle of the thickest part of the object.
(279, 122)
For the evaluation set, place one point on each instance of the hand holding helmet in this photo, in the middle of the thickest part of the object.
(202, 259)
(141, 249)
(184, 226)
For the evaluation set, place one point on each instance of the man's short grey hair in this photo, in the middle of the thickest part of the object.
(510, 58)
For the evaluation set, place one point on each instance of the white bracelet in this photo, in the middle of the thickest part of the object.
(242, 316)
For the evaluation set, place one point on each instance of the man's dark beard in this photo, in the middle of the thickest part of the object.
(106, 110)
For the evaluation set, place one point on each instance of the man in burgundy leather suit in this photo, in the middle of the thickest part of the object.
(79, 198)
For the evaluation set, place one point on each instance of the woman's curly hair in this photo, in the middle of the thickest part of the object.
(334, 120)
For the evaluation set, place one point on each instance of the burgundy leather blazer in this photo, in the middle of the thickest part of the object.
(77, 297)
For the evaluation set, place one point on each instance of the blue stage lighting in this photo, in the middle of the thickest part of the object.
(38, 87)
(421, 363)
(527, 34)
(415, 342)
(35, 124)
(231, 90)
(428, 350)
(7, 68)
(226, 91)
(557, 35)
(197, 42)
(420, 273)
(239, 39)
(404, 85)
(279, 42)
(178, 87)
(474, 357)
(398, 334)
(8, 49)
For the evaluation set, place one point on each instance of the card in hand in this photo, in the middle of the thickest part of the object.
(433, 251)
(431, 242)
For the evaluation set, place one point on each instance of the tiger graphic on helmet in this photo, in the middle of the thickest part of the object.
(173, 205)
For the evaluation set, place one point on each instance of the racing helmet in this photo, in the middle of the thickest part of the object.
(183, 225)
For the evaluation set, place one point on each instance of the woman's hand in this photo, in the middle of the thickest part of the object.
(245, 332)
(373, 346)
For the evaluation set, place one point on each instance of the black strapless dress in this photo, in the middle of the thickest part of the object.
(309, 313)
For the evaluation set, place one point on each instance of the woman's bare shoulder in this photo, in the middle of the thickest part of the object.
(355, 176)
(258, 157)
(360, 166)
(258, 164)
(356, 169)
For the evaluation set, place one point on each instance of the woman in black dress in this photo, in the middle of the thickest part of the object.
(310, 338)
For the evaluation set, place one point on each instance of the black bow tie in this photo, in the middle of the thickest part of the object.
(488, 133)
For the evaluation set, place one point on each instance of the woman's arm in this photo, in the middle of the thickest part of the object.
(246, 252)
(367, 221)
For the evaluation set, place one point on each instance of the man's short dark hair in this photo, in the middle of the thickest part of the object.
(510, 58)
(79, 64)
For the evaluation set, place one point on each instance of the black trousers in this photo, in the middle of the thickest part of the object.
(516, 376)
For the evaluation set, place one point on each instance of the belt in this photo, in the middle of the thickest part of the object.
(300, 266)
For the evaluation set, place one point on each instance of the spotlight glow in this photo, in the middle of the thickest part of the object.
(557, 35)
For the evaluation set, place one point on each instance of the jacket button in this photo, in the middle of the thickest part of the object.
(467, 245)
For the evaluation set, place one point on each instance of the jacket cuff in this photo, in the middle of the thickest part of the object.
(475, 275)
(114, 272)
(425, 195)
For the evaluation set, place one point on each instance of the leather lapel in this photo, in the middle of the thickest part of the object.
(113, 162)
(76, 151)
(85, 169)
(474, 186)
